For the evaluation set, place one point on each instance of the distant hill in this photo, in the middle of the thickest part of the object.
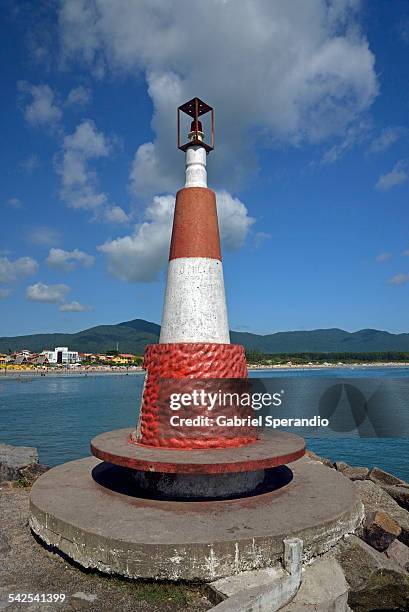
(133, 336)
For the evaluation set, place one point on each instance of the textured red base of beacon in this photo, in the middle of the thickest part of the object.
(193, 361)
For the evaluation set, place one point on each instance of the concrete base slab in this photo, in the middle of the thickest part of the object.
(84, 508)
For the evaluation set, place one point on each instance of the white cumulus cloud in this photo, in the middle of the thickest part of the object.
(79, 96)
(140, 257)
(11, 270)
(66, 261)
(42, 109)
(51, 294)
(234, 221)
(78, 180)
(74, 307)
(289, 72)
(116, 214)
(398, 175)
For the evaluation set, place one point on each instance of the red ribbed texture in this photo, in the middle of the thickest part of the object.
(194, 361)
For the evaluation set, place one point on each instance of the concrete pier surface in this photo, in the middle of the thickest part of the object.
(86, 509)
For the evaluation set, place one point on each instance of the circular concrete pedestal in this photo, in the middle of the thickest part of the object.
(86, 509)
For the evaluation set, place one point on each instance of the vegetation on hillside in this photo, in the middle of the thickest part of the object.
(255, 357)
(133, 336)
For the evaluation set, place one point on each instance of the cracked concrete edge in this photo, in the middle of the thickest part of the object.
(204, 563)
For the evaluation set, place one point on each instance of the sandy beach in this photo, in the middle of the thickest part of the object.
(123, 371)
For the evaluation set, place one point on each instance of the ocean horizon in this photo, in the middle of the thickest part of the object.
(59, 415)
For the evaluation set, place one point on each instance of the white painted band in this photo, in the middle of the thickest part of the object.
(195, 303)
(196, 174)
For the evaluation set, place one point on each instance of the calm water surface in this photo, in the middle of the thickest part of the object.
(59, 415)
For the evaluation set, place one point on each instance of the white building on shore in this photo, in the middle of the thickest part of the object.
(61, 355)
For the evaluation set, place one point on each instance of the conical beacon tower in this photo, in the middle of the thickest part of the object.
(194, 341)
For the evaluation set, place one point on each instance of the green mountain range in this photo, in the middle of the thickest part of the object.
(133, 336)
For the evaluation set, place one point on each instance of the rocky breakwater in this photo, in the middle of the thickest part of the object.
(375, 559)
(19, 464)
(367, 570)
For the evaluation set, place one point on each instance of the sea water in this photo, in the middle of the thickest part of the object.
(60, 414)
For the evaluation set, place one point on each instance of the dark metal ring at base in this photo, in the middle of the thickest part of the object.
(270, 450)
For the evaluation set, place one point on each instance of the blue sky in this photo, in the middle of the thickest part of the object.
(311, 164)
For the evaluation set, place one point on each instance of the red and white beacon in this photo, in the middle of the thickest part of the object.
(194, 340)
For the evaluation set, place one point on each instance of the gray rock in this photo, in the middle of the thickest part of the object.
(28, 475)
(375, 582)
(380, 530)
(14, 458)
(375, 498)
(399, 553)
(399, 493)
(381, 477)
(316, 457)
(323, 589)
(352, 472)
(395, 487)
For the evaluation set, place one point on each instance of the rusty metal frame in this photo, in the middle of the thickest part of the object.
(195, 108)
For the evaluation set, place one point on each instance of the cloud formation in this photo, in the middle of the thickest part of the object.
(79, 96)
(386, 139)
(399, 279)
(140, 257)
(79, 187)
(30, 163)
(42, 109)
(66, 261)
(15, 203)
(4, 293)
(11, 270)
(75, 307)
(383, 257)
(116, 214)
(398, 175)
(354, 135)
(42, 235)
(289, 72)
(50, 294)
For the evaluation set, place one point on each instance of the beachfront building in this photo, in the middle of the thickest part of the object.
(61, 355)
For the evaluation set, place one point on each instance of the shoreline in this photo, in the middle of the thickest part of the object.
(121, 371)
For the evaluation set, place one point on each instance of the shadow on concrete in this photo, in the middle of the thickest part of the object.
(122, 480)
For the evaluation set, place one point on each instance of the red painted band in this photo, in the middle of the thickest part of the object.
(195, 228)
(190, 361)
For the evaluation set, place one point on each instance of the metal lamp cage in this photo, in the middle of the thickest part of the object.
(195, 108)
